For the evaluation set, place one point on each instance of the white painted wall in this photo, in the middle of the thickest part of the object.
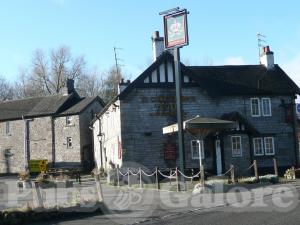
(111, 130)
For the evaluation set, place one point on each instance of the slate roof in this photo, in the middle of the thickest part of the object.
(81, 105)
(30, 107)
(245, 80)
(226, 80)
(44, 106)
(236, 116)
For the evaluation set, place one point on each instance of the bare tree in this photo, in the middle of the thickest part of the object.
(6, 91)
(47, 75)
(109, 87)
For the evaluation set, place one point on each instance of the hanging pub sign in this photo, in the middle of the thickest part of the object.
(175, 29)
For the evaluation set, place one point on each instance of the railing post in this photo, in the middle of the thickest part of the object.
(202, 173)
(294, 173)
(232, 175)
(192, 176)
(255, 170)
(128, 177)
(141, 184)
(157, 181)
(177, 180)
(118, 177)
(275, 166)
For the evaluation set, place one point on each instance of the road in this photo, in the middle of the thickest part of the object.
(276, 204)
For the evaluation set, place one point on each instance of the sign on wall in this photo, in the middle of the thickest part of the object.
(37, 165)
(176, 31)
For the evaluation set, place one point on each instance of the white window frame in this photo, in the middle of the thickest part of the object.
(197, 149)
(262, 106)
(258, 105)
(232, 147)
(69, 141)
(261, 146)
(265, 145)
(69, 120)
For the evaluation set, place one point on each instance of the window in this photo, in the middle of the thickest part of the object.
(258, 146)
(7, 128)
(69, 142)
(195, 149)
(69, 120)
(269, 146)
(266, 107)
(236, 146)
(255, 109)
(7, 152)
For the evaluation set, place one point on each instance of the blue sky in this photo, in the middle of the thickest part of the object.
(221, 32)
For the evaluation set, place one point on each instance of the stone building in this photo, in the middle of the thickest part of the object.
(259, 99)
(55, 128)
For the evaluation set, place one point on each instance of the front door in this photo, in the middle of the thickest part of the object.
(218, 157)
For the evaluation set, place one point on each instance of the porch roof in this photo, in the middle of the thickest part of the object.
(200, 126)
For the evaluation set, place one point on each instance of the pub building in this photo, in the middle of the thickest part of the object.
(258, 99)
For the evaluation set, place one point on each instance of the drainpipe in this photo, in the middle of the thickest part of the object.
(26, 147)
(294, 132)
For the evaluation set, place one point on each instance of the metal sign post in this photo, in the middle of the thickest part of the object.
(176, 36)
(179, 109)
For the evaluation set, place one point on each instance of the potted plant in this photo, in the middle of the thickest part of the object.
(24, 180)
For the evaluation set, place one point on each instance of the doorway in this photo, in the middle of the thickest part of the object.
(218, 157)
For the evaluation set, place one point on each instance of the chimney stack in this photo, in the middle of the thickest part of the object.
(267, 57)
(122, 85)
(69, 87)
(157, 45)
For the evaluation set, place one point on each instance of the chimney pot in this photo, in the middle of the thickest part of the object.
(267, 58)
(157, 45)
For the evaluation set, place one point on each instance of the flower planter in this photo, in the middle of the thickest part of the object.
(25, 184)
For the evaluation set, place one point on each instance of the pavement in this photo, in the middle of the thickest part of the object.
(273, 204)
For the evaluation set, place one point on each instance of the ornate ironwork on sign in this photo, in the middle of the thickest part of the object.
(176, 32)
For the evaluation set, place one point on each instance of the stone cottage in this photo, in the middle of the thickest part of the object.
(259, 99)
(55, 128)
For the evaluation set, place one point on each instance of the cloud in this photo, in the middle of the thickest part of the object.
(234, 60)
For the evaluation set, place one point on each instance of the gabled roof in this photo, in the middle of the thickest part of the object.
(246, 79)
(44, 106)
(226, 80)
(236, 116)
(81, 105)
(31, 107)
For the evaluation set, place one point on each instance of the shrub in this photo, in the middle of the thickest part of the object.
(24, 176)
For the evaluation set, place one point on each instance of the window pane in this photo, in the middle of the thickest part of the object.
(257, 144)
(266, 104)
(255, 110)
(269, 146)
(236, 146)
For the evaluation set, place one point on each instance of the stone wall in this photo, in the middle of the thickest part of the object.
(86, 134)
(15, 142)
(65, 156)
(143, 113)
